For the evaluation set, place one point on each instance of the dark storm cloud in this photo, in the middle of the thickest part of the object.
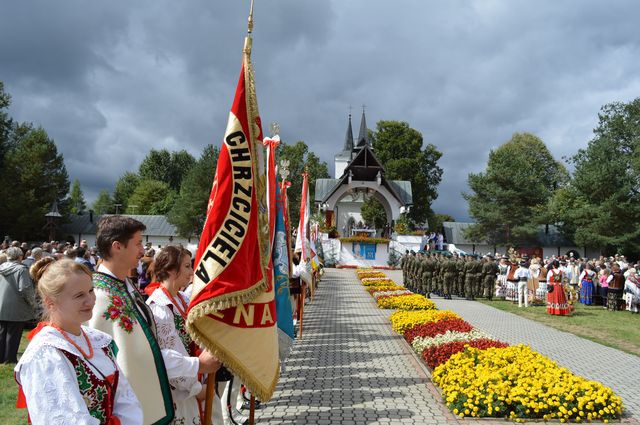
(109, 81)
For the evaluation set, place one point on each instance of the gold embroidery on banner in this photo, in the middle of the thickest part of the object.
(231, 234)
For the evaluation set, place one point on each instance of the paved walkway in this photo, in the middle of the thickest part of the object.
(350, 368)
(614, 368)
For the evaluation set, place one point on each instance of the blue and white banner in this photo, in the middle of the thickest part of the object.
(280, 251)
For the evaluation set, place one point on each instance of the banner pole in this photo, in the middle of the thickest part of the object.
(252, 410)
(208, 404)
(301, 298)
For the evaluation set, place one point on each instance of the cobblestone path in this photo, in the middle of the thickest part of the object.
(614, 368)
(350, 368)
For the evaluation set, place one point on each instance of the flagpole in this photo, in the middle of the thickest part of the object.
(252, 404)
(250, 20)
(209, 394)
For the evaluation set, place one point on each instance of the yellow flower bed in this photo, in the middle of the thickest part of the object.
(377, 281)
(369, 273)
(385, 287)
(406, 302)
(403, 320)
(518, 383)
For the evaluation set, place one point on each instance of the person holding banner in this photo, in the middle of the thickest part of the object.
(169, 306)
(121, 312)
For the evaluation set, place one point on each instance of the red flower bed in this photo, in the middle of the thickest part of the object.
(436, 355)
(432, 329)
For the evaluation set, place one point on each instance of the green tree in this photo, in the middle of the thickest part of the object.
(373, 213)
(166, 167)
(35, 173)
(103, 203)
(6, 123)
(190, 209)
(151, 197)
(76, 198)
(435, 223)
(507, 197)
(399, 149)
(125, 186)
(300, 158)
(605, 190)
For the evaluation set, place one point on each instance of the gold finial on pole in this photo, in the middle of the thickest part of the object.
(250, 20)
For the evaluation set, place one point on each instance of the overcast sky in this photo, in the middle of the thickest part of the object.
(111, 80)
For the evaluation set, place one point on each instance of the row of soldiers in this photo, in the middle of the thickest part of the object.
(447, 274)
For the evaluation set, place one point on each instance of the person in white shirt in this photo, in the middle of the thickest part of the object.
(68, 373)
(522, 275)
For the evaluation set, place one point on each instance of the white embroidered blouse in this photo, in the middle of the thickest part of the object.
(50, 383)
(185, 367)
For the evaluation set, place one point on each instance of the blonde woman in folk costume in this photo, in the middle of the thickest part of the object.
(68, 373)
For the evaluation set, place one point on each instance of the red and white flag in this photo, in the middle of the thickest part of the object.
(232, 311)
(302, 237)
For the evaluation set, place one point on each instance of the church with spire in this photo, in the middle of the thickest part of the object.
(358, 176)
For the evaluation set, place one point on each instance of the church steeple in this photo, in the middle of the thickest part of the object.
(363, 137)
(348, 140)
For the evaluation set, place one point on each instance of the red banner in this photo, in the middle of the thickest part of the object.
(232, 310)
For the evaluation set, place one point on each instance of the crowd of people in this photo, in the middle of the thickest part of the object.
(558, 282)
(111, 343)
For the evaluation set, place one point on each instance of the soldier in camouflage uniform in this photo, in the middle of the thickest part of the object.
(469, 276)
(428, 275)
(411, 271)
(437, 279)
(407, 271)
(403, 267)
(416, 272)
(450, 277)
(489, 272)
(477, 277)
(460, 278)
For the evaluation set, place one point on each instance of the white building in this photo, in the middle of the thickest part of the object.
(359, 175)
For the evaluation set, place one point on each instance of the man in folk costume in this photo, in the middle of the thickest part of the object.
(574, 276)
(523, 275)
(121, 312)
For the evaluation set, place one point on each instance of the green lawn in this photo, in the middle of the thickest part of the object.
(9, 415)
(617, 329)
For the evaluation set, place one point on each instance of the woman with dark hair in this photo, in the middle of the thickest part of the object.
(587, 286)
(169, 306)
(556, 297)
